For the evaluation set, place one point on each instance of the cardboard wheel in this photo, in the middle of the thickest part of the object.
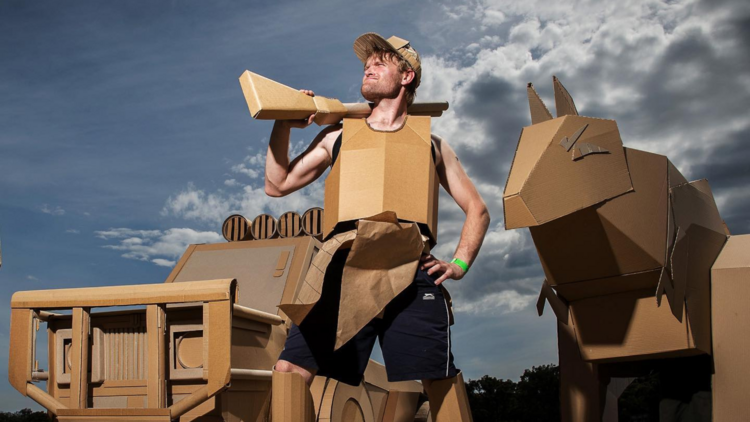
(345, 403)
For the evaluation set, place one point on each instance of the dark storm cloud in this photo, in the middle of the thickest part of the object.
(727, 168)
(493, 103)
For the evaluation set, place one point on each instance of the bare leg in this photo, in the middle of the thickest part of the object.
(286, 366)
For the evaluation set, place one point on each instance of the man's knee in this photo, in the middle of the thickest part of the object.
(286, 366)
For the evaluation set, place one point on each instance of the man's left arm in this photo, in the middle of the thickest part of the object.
(454, 180)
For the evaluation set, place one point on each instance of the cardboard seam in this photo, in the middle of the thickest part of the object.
(612, 276)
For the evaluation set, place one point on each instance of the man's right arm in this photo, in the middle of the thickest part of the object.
(284, 176)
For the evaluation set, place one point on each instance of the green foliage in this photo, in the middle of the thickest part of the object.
(25, 415)
(536, 397)
(640, 401)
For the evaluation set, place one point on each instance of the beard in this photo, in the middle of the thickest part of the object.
(381, 89)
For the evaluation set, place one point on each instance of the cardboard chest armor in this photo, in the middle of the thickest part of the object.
(379, 171)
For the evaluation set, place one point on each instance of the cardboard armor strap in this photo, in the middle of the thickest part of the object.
(381, 264)
(378, 171)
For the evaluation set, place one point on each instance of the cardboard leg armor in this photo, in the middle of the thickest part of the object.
(290, 398)
(448, 399)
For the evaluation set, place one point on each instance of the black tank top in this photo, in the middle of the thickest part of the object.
(337, 147)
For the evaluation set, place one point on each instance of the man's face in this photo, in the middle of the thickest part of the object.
(382, 79)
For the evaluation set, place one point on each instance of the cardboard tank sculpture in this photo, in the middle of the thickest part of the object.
(200, 347)
(629, 250)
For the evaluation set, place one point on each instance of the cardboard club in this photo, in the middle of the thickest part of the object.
(269, 100)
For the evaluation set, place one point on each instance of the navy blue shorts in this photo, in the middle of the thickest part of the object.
(414, 334)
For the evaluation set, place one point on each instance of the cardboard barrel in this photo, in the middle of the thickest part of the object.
(264, 227)
(236, 228)
(312, 222)
(290, 224)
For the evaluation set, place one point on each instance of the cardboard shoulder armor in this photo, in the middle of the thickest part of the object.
(379, 171)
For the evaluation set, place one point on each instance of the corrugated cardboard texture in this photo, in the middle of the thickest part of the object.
(383, 171)
(290, 224)
(624, 235)
(254, 265)
(539, 112)
(382, 262)
(629, 325)
(552, 184)
(618, 284)
(699, 239)
(19, 357)
(563, 101)
(312, 222)
(236, 228)
(581, 393)
(330, 111)
(730, 288)
(343, 402)
(448, 400)
(143, 294)
(290, 398)
(268, 99)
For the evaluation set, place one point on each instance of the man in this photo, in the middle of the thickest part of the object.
(413, 332)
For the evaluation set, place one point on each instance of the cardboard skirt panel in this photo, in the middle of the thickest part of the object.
(383, 260)
(413, 330)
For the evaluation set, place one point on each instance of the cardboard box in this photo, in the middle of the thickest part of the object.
(730, 288)
(384, 171)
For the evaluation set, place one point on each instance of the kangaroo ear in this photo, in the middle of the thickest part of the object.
(563, 101)
(539, 112)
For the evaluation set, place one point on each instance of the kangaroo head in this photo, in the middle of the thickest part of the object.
(563, 164)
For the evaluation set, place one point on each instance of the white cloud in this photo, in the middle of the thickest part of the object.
(156, 246)
(31, 278)
(73, 231)
(163, 262)
(118, 233)
(496, 303)
(213, 207)
(52, 211)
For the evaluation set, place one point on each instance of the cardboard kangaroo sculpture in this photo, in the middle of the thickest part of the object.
(617, 231)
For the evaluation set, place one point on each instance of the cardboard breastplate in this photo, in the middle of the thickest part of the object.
(384, 171)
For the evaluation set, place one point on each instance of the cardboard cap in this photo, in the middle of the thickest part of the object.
(363, 46)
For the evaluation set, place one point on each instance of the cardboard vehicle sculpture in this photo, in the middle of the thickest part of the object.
(199, 347)
(617, 230)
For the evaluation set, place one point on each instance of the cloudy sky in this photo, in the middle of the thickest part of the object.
(125, 136)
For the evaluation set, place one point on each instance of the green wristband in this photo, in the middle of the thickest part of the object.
(464, 266)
